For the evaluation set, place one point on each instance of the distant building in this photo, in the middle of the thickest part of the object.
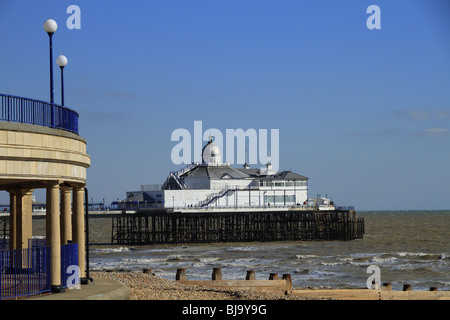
(215, 184)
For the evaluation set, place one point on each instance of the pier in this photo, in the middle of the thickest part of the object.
(162, 227)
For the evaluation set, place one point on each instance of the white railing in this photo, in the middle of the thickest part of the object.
(216, 196)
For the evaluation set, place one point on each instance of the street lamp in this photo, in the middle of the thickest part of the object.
(61, 61)
(50, 27)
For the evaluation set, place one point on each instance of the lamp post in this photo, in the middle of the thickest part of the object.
(61, 61)
(50, 27)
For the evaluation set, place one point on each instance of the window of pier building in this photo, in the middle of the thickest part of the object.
(278, 183)
(281, 199)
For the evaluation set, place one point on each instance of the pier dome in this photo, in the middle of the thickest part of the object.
(211, 154)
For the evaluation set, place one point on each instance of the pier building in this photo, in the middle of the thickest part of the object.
(216, 184)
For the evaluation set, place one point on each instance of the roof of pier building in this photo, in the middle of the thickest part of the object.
(213, 168)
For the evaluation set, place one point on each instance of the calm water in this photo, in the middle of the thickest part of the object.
(408, 246)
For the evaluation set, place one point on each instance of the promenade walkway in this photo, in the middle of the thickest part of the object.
(99, 289)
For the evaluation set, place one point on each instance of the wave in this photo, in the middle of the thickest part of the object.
(111, 250)
(316, 274)
(382, 260)
(360, 260)
(140, 261)
(423, 269)
(231, 249)
(206, 260)
(305, 256)
(301, 271)
(153, 250)
(331, 264)
(424, 256)
(174, 257)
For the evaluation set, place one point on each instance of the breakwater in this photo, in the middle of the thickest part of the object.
(159, 227)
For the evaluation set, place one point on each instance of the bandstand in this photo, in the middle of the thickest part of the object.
(40, 149)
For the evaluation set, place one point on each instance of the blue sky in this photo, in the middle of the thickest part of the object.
(365, 114)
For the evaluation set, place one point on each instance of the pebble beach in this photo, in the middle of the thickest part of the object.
(146, 286)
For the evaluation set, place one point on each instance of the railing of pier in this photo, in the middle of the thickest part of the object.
(41, 113)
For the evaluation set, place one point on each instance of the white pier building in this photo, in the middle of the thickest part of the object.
(214, 184)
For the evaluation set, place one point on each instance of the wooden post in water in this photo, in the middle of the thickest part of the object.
(273, 276)
(386, 286)
(181, 274)
(217, 274)
(288, 278)
(250, 275)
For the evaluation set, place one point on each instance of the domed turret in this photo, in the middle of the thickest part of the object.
(211, 154)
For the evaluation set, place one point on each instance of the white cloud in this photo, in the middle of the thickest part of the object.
(427, 114)
(437, 131)
(418, 114)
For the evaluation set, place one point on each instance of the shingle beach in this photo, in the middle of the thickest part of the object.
(145, 286)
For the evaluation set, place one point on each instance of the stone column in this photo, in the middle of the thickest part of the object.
(24, 220)
(78, 227)
(54, 236)
(66, 214)
(12, 219)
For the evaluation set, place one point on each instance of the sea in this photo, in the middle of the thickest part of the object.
(408, 247)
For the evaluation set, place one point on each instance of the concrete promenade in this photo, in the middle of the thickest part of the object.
(99, 289)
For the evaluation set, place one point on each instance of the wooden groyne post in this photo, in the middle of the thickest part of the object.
(288, 278)
(181, 274)
(250, 282)
(217, 274)
(250, 275)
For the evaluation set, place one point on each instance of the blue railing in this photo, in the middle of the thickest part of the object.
(41, 113)
(24, 272)
(69, 257)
